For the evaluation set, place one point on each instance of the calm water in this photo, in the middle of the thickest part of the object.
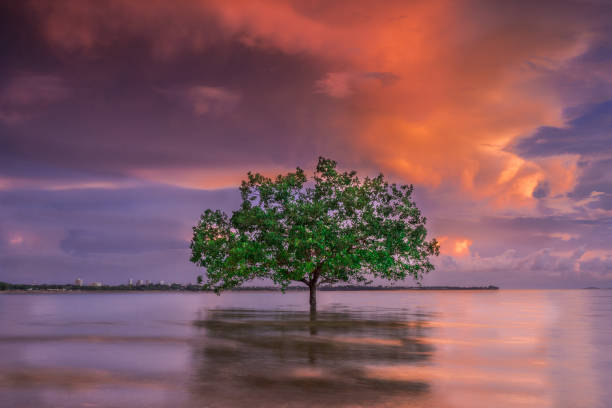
(261, 349)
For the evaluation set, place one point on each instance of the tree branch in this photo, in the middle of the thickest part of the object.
(316, 273)
(328, 280)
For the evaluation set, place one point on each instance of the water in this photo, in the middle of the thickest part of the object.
(504, 348)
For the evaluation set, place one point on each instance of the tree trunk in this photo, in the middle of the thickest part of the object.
(313, 298)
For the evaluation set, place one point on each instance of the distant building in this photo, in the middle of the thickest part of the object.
(130, 281)
(96, 284)
(140, 282)
(78, 282)
(147, 282)
(161, 282)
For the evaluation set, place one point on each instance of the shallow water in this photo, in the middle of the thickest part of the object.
(506, 348)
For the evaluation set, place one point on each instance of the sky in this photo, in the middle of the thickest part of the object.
(121, 121)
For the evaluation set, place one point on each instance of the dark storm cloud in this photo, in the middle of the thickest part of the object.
(590, 133)
(120, 108)
(541, 190)
(596, 176)
(126, 123)
(127, 109)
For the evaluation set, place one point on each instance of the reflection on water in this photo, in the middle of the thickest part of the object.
(258, 358)
(443, 349)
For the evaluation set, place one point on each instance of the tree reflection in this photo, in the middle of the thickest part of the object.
(272, 358)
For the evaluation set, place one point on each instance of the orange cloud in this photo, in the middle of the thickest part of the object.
(198, 178)
(455, 246)
(463, 91)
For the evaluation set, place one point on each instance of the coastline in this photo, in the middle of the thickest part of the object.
(58, 289)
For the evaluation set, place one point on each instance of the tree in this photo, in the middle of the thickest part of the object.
(335, 228)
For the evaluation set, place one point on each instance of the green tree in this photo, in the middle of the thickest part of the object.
(336, 227)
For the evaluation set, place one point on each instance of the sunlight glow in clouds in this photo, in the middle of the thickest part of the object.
(462, 247)
(455, 246)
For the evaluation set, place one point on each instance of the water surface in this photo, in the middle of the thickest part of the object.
(506, 348)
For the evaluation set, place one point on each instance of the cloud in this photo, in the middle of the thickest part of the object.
(587, 134)
(564, 236)
(203, 100)
(140, 238)
(212, 100)
(454, 246)
(586, 145)
(472, 81)
(25, 95)
(542, 267)
(59, 184)
(343, 84)
(202, 178)
(16, 240)
(89, 27)
(102, 234)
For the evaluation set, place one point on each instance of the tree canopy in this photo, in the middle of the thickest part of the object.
(333, 228)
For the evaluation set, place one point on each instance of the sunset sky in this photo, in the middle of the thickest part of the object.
(121, 121)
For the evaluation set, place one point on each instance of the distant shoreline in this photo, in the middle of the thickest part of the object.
(49, 288)
(370, 288)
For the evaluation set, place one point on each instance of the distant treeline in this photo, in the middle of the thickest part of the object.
(70, 287)
(199, 288)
